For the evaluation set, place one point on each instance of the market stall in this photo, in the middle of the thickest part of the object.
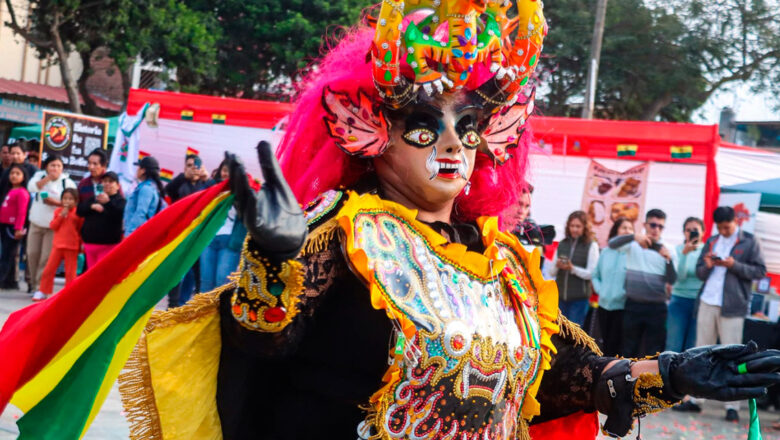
(681, 179)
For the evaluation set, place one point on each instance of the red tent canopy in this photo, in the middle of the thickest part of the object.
(204, 108)
(562, 136)
(653, 141)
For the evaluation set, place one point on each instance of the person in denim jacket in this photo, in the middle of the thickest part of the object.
(146, 200)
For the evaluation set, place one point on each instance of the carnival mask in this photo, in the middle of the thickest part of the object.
(432, 151)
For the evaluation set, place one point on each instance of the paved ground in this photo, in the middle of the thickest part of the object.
(709, 425)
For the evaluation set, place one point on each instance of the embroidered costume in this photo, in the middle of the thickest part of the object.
(371, 319)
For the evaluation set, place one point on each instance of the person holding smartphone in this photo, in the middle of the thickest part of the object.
(575, 259)
(728, 264)
(681, 322)
(650, 267)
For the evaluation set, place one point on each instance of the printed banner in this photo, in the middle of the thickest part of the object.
(72, 137)
(611, 194)
(745, 206)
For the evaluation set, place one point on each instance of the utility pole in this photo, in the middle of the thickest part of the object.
(593, 65)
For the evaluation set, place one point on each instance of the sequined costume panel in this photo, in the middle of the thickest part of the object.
(468, 346)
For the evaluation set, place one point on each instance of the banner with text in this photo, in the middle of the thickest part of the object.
(72, 137)
(611, 194)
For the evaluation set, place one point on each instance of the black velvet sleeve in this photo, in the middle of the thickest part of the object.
(577, 382)
(266, 314)
(568, 386)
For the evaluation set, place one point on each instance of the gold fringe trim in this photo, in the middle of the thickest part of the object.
(199, 305)
(320, 237)
(135, 387)
(523, 431)
(645, 401)
(649, 380)
(574, 332)
(135, 382)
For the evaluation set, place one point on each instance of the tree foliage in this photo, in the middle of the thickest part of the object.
(660, 60)
(161, 32)
(265, 43)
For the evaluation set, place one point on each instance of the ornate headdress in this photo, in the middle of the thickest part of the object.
(440, 46)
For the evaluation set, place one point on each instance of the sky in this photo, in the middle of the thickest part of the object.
(747, 105)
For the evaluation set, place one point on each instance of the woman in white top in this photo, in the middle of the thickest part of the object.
(45, 189)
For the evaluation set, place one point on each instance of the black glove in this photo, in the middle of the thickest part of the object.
(712, 372)
(272, 216)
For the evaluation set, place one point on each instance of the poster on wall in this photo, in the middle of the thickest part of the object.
(610, 194)
(745, 207)
(72, 137)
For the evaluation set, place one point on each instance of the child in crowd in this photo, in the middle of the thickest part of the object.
(102, 212)
(66, 225)
(13, 215)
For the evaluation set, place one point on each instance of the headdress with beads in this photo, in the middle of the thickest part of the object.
(438, 46)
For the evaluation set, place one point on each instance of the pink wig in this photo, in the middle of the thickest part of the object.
(313, 163)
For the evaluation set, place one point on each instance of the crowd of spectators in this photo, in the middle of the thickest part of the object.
(652, 298)
(48, 222)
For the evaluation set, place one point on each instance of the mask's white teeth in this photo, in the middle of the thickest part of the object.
(431, 164)
(463, 166)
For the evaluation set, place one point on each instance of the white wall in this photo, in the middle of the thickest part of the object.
(19, 61)
(168, 143)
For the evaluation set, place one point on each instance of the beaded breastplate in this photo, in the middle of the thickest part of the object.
(468, 345)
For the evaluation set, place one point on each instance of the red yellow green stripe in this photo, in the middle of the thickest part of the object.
(65, 411)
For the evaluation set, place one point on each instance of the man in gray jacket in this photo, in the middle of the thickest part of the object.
(728, 264)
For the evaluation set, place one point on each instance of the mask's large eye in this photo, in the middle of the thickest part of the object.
(470, 139)
(420, 137)
(467, 130)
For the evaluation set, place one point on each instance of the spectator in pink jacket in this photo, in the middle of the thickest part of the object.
(13, 214)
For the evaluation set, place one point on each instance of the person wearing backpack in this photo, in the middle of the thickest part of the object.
(45, 187)
(146, 200)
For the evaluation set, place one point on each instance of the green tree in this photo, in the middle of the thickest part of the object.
(161, 32)
(265, 43)
(660, 60)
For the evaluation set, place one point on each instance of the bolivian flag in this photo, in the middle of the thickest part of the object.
(59, 358)
(192, 151)
(626, 150)
(187, 115)
(681, 152)
(142, 154)
(218, 118)
(166, 175)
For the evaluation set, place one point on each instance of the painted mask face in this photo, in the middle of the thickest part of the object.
(432, 149)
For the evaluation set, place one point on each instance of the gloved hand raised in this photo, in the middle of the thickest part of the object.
(713, 372)
(272, 216)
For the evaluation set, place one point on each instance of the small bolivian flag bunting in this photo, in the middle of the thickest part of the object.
(627, 150)
(142, 154)
(218, 118)
(681, 152)
(192, 151)
(187, 115)
(166, 174)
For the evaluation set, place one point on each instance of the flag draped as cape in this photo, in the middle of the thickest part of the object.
(59, 358)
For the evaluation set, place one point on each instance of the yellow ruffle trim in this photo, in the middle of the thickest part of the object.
(546, 297)
(482, 266)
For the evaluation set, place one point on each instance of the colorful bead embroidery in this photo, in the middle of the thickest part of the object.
(322, 205)
(267, 295)
(478, 340)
